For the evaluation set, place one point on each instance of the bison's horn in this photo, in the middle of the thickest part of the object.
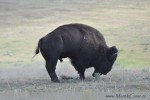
(113, 56)
(112, 52)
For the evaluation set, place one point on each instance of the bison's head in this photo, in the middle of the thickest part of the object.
(106, 60)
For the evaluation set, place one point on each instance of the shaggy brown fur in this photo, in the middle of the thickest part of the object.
(84, 45)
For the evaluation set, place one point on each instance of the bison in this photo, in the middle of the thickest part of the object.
(84, 45)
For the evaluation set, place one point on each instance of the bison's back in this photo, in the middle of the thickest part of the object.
(76, 32)
(72, 39)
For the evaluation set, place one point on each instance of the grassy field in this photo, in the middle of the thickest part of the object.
(124, 23)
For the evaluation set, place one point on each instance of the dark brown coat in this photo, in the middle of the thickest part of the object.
(84, 45)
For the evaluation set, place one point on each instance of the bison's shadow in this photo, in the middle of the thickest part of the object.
(68, 79)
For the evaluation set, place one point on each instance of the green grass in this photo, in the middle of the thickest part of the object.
(123, 23)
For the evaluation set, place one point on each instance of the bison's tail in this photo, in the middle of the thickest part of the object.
(37, 50)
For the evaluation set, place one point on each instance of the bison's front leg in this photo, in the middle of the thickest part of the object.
(81, 74)
(78, 65)
(81, 71)
(51, 66)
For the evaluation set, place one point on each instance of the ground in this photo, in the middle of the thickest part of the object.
(35, 84)
(124, 23)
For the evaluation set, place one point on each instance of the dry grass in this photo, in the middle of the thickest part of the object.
(29, 84)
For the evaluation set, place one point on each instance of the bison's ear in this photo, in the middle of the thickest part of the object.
(112, 53)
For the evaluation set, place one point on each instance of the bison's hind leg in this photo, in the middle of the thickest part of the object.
(51, 66)
(51, 59)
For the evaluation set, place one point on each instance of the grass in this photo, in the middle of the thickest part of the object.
(37, 86)
(123, 23)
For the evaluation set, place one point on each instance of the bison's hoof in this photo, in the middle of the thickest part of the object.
(82, 77)
(56, 80)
